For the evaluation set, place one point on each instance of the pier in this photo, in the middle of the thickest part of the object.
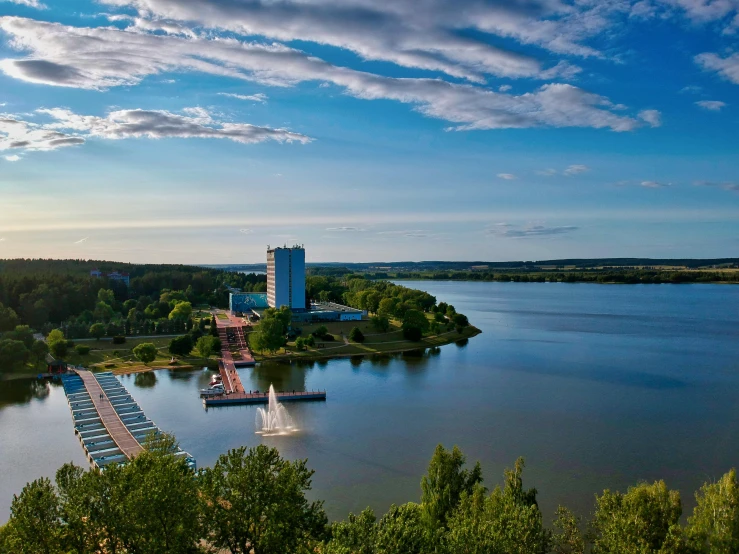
(262, 397)
(231, 333)
(107, 420)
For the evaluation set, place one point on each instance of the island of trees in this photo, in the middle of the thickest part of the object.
(254, 501)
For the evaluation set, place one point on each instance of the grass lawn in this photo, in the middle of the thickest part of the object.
(220, 315)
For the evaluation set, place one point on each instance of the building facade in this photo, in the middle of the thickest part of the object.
(113, 276)
(286, 277)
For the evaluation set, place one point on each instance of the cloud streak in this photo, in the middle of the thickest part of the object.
(100, 58)
(507, 230)
(711, 105)
(259, 97)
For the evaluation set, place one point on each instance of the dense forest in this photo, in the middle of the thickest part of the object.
(254, 501)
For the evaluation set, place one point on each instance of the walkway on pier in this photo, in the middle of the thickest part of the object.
(231, 333)
(109, 423)
(109, 417)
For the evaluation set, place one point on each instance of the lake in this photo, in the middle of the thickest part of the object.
(597, 386)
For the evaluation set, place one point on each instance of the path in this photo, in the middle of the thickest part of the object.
(109, 417)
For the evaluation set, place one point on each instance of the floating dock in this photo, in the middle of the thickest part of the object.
(261, 398)
(107, 420)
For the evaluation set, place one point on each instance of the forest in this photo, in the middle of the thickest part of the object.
(253, 500)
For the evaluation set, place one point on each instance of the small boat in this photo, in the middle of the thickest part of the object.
(213, 390)
(216, 380)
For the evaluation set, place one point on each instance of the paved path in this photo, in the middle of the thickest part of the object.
(118, 432)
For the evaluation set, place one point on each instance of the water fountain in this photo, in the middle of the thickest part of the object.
(274, 420)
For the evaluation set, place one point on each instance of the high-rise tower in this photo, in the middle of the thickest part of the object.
(286, 277)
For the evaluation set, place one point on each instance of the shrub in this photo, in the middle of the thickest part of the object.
(70, 343)
(119, 339)
(82, 350)
(321, 332)
(356, 335)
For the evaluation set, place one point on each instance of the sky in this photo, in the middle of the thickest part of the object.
(202, 131)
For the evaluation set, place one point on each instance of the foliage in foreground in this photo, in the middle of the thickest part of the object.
(252, 500)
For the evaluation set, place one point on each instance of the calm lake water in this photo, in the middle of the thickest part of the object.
(597, 386)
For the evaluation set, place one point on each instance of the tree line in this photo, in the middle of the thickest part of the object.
(253, 500)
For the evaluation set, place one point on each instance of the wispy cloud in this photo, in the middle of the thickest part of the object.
(344, 229)
(712, 105)
(507, 176)
(654, 184)
(259, 97)
(576, 169)
(411, 233)
(691, 89)
(727, 67)
(725, 185)
(30, 3)
(81, 240)
(12, 158)
(246, 231)
(546, 172)
(652, 117)
(508, 230)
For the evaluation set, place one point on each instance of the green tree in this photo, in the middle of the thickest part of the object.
(255, 502)
(106, 296)
(387, 306)
(182, 311)
(8, 319)
(356, 335)
(714, 526)
(206, 345)
(402, 529)
(181, 346)
(356, 535)
(13, 355)
(460, 322)
(568, 539)
(444, 483)
(145, 352)
(57, 343)
(39, 350)
(82, 349)
(645, 519)
(34, 524)
(269, 335)
(414, 325)
(508, 521)
(22, 333)
(97, 330)
(103, 312)
(380, 323)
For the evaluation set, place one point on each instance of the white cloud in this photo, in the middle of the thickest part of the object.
(68, 128)
(576, 169)
(12, 158)
(546, 172)
(725, 185)
(401, 33)
(259, 97)
(726, 67)
(712, 105)
(654, 184)
(504, 88)
(507, 176)
(691, 89)
(653, 117)
(81, 240)
(246, 231)
(345, 229)
(507, 230)
(99, 58)
(29, 3)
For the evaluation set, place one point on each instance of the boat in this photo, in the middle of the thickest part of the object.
(214, 390)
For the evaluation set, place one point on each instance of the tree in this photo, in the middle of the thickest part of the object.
(97, 330)
(213, 327)
(300, 344)
(269, 335)
(444, 483)
(402, 529)
(714, 526)
(103, 312)
(106, 296)
(414, 325)
(39, 350)
(82, 349)
(145, 352)
(181, 346)
(356, 335)
(34, 524)
(57, 343)
(206, 346)
(569, 539)
(8, 319)
(508, 521)
(356, 535)
(645, 519)
(460, 322)
(320, 332)
(380, 323)
(387, 306)
(13, 355)
(182, 311)
(255, 502)
(22, 333)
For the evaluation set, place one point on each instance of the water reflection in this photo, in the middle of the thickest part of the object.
(145, 380)
(22, 391)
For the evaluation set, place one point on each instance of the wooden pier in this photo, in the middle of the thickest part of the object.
(108, 422)
(231, 333)
(262, 397)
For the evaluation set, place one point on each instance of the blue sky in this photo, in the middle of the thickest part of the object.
(202, 131)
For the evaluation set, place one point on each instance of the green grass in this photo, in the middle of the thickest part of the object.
(220, 315)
